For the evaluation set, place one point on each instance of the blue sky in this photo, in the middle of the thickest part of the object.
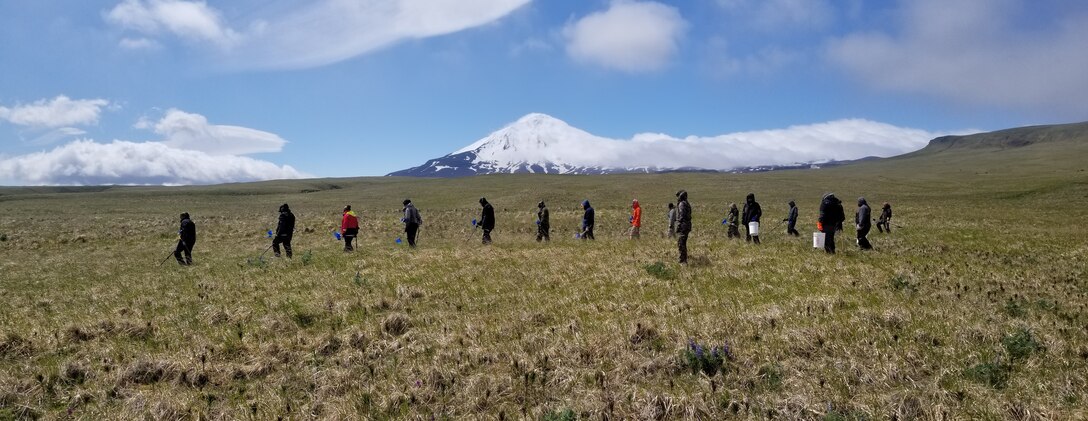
(181, 92)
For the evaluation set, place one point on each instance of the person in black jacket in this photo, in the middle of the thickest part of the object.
(487, 220)
(543, 222)
(587, 221)
(285, 229)
(732, 219)
(186, 240)
(412, 221)
(683, 224)
(791, 221)
(831, 217)
(884, 224)
(863, 223)
(752, 213)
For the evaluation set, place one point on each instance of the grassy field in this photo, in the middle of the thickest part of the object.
(973, 308)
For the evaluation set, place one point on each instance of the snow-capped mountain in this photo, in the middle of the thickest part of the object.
(542, 144)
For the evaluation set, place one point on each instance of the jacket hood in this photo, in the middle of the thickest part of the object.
(540, 205)
(887, 205)
(585, 204)
(750, 198)
(284, 208)
(861, 201)
(184, 216)
(483, 201)
(407, 202)
(634, 203)
(732, 206)
(682, 195)
(792, 204)
(831, 197)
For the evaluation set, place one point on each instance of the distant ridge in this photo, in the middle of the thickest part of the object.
(1011, 138)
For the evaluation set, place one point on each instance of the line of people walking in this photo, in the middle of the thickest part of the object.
(679, 217)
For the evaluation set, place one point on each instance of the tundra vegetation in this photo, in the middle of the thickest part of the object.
(973, 307)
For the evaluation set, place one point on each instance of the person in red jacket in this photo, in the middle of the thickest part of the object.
(349, 228)
(636, 218)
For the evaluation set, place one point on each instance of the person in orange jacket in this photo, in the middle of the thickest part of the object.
(349, 228)
(636, 218)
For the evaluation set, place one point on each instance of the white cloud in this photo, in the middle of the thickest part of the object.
(780, 15)
(56, 112)
(139, 44)
(977, 52)
(84, 162)
(629, 36)
(193, 132)
(193, 20)
(309, 34)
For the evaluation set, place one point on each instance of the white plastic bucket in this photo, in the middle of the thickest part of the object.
(818, 240)
(753, 228)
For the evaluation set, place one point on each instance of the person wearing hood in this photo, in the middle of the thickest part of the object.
(587, 221)
(285, 229)
(636, 218)
(349, 228)
(487, 220)
(791, 221)
(831, 217)
(672, 220)
(752, 213)
(543, 222)
(412, 221)
(186, 241)
(863, 223)
(733, 221)
(884, 224)
(683, 224)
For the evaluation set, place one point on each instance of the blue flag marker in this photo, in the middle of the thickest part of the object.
(474, 222)
(723, 221)
(398, 240)
(336, 235)
(269, 233)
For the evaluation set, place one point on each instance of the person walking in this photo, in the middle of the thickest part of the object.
(733, 220)
(683, 224)
(487, 220)
(349, 228)
(752, 213)
(884, 224)
(863, 223)
(186, 240)
(543, 222)
(412, 221)
(636, 219)
(830, 219)
(672, 220)
(587, 221)
(285, 229)
(791, 221)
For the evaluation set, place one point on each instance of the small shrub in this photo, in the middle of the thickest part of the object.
(559, 415)
(396, 324)
(771, 376)
(901, 282)
(1015, 308)
(660, 271)
(307, 257)
(1021, 344)
(709, 360)
(995, 374)
(3, 237)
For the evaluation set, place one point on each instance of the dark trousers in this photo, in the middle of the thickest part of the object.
(748, 235)
(281, 239)
(186, 248)
(587, 233)
(411, 230)
(542, 233)
(487, 236)
(829, 241)
(884, 226)
(733, 231)
(349, 238)
(862, 241)
(682, 245)
(792, 230)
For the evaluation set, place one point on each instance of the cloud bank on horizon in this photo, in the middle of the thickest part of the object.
(192, 151)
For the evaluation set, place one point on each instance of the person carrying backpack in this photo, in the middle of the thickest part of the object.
(752, 213)
(285, 229)
(412, 221)
(543, 222)
(186, 240)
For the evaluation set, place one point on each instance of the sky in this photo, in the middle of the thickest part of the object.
(198, 92)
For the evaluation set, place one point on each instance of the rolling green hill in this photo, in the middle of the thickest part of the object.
(974, 307)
